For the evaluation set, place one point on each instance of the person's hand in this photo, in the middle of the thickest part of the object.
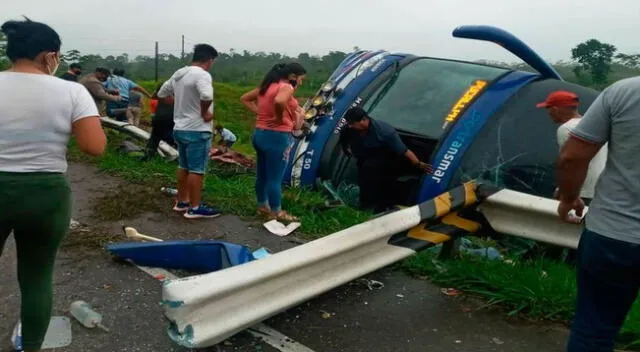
(426, 168)
(565, 207)
(208, 117)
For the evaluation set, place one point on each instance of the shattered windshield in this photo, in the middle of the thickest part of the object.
(517, 148)
(423, 93)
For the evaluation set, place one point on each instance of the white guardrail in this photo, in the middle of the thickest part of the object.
(164, 149)
(206, 309)
(531, 217)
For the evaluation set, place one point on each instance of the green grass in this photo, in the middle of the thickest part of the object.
(225, 187)
(231, 192)
(537, 289)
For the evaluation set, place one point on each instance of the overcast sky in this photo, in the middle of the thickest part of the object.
(551, 27)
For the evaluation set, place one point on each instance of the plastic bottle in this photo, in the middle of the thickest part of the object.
(83, 312)
(169, 191)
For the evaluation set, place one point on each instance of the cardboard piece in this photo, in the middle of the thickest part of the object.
(279, 229)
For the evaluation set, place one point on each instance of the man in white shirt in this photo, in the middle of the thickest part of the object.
(563, 109)
(192, 89)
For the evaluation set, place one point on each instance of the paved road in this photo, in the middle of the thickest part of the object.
(405, 315)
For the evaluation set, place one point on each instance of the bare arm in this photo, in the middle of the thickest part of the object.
(90, 136)
(207, 116)
(573, 165)
(299, 118)
(98, 91)
(250, 100)
(205, 89)
(282, 99)
(584, 142)
(142, 90)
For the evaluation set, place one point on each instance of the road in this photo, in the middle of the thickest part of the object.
(407, 314)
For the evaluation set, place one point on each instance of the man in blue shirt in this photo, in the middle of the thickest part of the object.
(378, 148)
(122, 85)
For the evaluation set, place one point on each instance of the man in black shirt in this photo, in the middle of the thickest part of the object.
(161, 125)
(75, 70)
(378, 149)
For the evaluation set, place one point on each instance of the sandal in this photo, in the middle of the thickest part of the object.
(264, 211)
(284, 216)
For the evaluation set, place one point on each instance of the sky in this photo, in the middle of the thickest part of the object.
(421, 27)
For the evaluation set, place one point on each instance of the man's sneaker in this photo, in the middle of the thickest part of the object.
(202, 212)
(181, 207)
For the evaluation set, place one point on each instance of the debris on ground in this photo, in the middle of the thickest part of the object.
(58, 334)
(278, 228)
(400, 296)
(326, 315)
(452, 292)
(468, 247)
(497, 341)
(130, 148)
(84, 314)
(169, 191)
(372, 284)
(261, 253)
(229, 156)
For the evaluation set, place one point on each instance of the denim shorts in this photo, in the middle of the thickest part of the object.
(193, 150)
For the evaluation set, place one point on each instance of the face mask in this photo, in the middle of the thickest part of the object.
(53, 67)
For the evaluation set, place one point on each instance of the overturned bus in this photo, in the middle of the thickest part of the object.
(469, 120)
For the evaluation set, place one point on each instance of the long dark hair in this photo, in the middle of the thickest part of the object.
(279, 72)
(27, 39)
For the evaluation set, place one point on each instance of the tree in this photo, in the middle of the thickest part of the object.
(631, 61)
(595, 58)
(4, 60)
(71, 56)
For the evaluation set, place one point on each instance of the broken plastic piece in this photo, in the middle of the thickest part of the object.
(278, 228)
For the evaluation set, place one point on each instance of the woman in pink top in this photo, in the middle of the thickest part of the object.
(278, 114)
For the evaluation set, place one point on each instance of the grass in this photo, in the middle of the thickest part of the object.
(537, 289)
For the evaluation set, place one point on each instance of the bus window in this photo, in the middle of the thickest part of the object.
(423, 93)
(517, 148)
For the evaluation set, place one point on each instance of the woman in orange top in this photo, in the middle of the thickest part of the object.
(278, 114)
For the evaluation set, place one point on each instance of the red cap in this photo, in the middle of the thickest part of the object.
(560, 98)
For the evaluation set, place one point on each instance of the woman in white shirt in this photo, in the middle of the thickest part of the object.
(38, 114)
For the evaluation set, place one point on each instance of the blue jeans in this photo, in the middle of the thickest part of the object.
(193, 150)
(272, 149)
(608, 282)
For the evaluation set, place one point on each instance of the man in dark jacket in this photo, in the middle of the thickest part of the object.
(378, 148)
(75, 70)
(161, 125)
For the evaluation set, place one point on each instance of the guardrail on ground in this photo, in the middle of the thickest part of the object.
(205, 310)
(528, 216)
(164, 149)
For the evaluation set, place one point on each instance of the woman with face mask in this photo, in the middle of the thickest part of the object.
(278, 114)
(38, 114)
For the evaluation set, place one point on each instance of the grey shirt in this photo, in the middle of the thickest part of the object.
(614, 118)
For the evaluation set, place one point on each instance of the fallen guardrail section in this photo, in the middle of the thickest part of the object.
(206, 309)
(164, 149)
(528, 216)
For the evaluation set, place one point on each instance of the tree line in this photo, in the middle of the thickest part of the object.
(594, 64)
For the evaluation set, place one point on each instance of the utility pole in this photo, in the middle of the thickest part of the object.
(156, 62)
(182, 56)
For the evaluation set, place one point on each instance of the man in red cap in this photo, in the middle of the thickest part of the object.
(563, 109)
